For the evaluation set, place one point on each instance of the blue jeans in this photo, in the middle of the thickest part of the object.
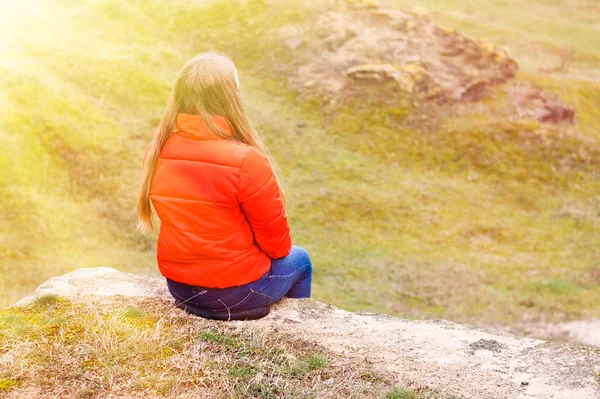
(290, 276)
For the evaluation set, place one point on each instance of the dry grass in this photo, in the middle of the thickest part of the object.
(135, 349)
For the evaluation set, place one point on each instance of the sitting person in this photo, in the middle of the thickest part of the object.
(224, 244)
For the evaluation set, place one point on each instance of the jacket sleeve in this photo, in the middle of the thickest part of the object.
(260, 199)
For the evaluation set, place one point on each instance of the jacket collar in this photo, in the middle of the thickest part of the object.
(194, 127)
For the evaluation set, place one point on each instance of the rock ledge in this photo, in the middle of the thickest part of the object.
(440, 355)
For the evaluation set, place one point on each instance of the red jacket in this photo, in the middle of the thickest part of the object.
(222, 216)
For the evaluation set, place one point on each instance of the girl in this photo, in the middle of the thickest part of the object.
(224, 244)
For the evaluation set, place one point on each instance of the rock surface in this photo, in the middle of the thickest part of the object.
(403, 45)
(439, 355)
(100, 282)
(346, 48)
(585, 332)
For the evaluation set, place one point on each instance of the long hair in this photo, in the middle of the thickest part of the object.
(207, 85)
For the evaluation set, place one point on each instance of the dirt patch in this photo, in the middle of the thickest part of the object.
(486, 344)
(531, 101)
(401, 53)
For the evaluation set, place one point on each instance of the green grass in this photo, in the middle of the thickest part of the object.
(465, 219)
(398, 393)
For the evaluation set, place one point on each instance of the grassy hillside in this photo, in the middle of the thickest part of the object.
(473, 217)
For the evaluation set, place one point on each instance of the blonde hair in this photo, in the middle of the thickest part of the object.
(207, 85)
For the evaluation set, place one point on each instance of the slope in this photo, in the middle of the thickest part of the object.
(469, 216)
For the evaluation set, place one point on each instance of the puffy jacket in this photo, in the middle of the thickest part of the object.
(222, 215)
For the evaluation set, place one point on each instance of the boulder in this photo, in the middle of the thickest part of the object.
(348, 47)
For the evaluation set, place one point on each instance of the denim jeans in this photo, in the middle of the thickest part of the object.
(290, 276)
